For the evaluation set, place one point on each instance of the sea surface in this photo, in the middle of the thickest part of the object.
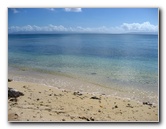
(122, 62)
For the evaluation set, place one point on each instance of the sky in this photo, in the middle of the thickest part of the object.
(82, 20)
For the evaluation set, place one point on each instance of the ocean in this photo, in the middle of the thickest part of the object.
(124, 63)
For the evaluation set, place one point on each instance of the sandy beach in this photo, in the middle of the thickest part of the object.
(50, 104)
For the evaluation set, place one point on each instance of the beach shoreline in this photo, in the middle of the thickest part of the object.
(45, 103)
(73, 83)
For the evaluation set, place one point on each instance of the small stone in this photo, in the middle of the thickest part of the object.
(92, 119)
(84, 118)
(94, 97)
(128, 105)
(147, 103)
(10, 80)
(15, 114)
(77, 93)
(12, 93)
(13, 100)
(116, 106)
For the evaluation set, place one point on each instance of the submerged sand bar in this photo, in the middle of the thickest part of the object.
(43, 103)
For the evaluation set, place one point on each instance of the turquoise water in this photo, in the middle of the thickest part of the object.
(118, 61)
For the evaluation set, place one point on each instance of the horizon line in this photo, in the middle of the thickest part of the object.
(63, 32)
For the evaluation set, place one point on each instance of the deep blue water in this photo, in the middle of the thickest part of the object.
(122, 59)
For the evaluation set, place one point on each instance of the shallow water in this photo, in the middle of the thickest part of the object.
(124, 62)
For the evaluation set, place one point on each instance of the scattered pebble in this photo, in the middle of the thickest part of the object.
(10, 80)
(77, 93)
(128, 105)
(94, 97)
(147, 103)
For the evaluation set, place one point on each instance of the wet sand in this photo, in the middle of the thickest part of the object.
(43, 103)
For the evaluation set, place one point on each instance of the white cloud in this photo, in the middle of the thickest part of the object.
(54, 28)
(51, 9)
(73, 9)
(34, 28)
(15, 10)
(124, 28)
(102, 29)
(137, 27)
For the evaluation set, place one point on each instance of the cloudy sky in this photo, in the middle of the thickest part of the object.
(82, 20)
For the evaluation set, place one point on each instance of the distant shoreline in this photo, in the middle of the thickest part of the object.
(84, 33)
